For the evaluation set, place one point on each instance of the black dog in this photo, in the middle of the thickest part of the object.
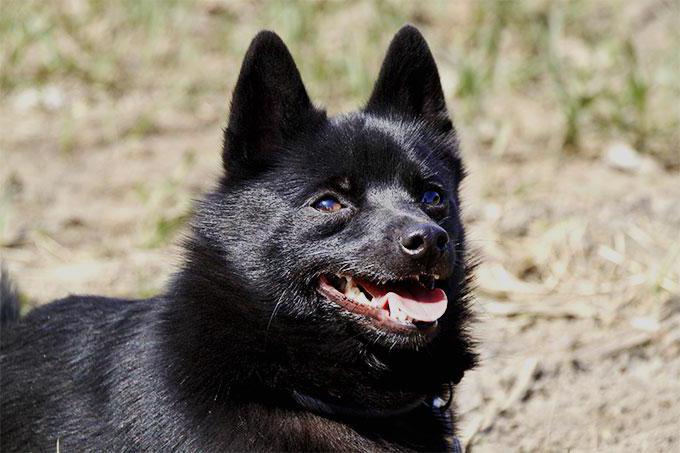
(321, 304)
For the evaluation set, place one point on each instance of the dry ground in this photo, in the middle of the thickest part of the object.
(579, 290)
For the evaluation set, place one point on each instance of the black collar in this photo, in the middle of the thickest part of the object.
(315, 405)
(337, 410)
(436, 404)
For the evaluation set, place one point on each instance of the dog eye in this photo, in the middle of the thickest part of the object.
(327, 204)
(432, 198)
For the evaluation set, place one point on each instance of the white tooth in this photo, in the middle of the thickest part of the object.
(351, 292)
(392, 306)
(362, 298)
(395, 311)
(348, 291)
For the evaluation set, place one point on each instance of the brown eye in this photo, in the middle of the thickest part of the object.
(327, 204)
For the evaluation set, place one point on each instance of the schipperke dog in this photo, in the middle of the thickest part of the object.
(322, 302)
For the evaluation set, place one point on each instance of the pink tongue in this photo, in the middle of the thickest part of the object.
(419, 303)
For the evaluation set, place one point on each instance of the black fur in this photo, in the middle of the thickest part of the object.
(216, 361)
(9, 299)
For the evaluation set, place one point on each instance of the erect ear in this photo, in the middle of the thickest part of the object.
(408, 84)
(269, 105)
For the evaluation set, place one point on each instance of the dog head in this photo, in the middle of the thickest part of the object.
(343, 234)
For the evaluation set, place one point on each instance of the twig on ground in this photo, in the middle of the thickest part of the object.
(523, 383)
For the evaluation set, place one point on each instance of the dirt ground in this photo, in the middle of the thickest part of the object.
(578, 296)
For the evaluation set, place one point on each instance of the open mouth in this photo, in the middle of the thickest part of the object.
(411, 304)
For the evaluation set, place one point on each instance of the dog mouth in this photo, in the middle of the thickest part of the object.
(413, 304)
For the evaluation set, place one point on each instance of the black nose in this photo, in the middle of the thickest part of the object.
(424, 240)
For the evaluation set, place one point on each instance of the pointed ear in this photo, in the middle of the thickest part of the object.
(269, 105)
(408, 84)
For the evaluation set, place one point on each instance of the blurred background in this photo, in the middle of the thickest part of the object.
(569, 115)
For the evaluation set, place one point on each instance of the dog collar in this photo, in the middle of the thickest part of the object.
(436, 404)
(337, 410)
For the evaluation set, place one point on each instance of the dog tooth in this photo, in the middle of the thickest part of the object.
(396, 313)
(363, 299)
(353, 292)
(349, 289)
(392, 308)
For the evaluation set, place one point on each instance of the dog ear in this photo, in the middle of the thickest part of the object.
(269, 105)
(408, 84)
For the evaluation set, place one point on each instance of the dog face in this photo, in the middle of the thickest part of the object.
(348, 226)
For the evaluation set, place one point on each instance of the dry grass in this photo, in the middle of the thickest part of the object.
(111, 115)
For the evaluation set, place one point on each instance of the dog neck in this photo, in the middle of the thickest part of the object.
(222, 336)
